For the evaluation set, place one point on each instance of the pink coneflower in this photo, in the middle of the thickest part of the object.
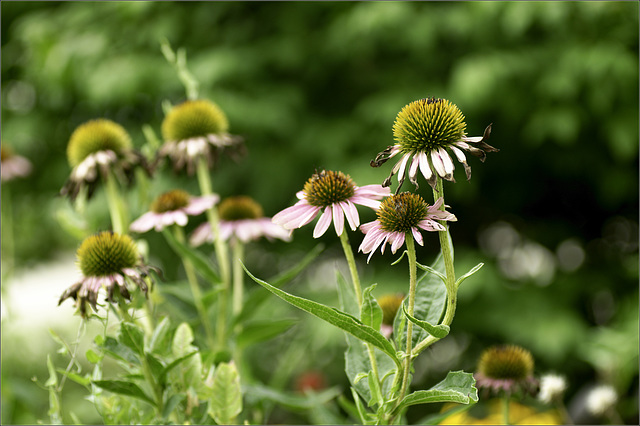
(335, 194)
(98, 148)
(427, 130)
(193, 130)
(107, 261)
(506, 369)
(171, 208)
(12, 166)
(399, 215)
(241, 218)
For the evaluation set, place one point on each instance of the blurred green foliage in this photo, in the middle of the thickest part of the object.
(318, 85)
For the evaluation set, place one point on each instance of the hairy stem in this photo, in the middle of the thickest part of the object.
(238, 275)
(411, 254)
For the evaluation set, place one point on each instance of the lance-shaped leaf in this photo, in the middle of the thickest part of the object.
(123, 387)
(468, 274)
(439, 331)
(458, 387)
(200, 261)
(291, 400)
(334, 317)
(226, 395)
(371, 313)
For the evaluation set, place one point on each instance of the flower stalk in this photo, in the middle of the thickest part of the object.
(116, 206)
(238, 274)
(411, 255)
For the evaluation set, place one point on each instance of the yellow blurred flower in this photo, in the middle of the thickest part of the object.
(518, 415)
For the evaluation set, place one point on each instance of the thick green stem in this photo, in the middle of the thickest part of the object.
(195, 290)
(505, 410)
(411, 254)
(355, 278)
(117, 211)
(238, 275)
(204, 181)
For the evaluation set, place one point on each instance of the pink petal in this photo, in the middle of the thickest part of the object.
(430, 225)
(413, 169)
(200, 235)
(378, 191)
(323, 223)
(403, 165)
(417, 235)
(351, 213)
(338, 219)
(446, 160)
(438, 164)
(198, 205)
(397, 240)
(459, 154)
(368, 202)
(144, 223)
(424, 165)
(366, 227)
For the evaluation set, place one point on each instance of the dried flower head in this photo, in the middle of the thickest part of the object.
(196, 129)
(107, 260)
(428, 130)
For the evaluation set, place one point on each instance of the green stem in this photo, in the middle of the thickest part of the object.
(195, 290)
(348, 253)
(411, 254)
(505, 410)
(116, 207)
(7, 233)
(238, 275)
(355, 278)
(204, 181)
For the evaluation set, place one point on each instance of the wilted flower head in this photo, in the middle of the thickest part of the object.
(601, 399)
(107, 260)
(508, 369)
(401, 214)
(335, 194)
(241, 218)
(552, 388)
(171, 208)
(96, 148)
(196, 129)
(427, 131)
(12, 165)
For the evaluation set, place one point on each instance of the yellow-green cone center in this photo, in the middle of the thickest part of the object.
(427, 124)
(94, 136)
(170, 201)
(106, 253)
(506, 362)
(328, 187)
(194, 119)
(400, 213)
(239, 208)
(390, 303)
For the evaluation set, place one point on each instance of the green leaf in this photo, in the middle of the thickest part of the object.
(468, 274)
(347, 296)
(226, 398)
(258, 296)
(52, 382)
(182, 340)
(123, 388)
(371, 312)
(374, 387)
(155, 365)
(119, 351)
(93, 357)
(430, 301)
(293, 401)
(190, 373)
(161, 337)
(440, 331)
(260, 331)
(163, 374)
(81, 380)
(457, 387)
(132, 337)
(171, 404)
(366, 418)
(334, 317)
(202, 264)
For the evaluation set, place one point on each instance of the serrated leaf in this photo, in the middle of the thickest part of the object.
(123, 387)
(334, 317)
(440, 331)
(132, 337)
(226, 396)
(371, 312)
(200, 262)
(457, 387)
(263, 330)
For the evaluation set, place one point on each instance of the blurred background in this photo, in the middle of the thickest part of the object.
(553, 215)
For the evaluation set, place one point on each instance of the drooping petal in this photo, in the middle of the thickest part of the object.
(462, 159)
(323, 223)
(425, 168)
(446, 161)
(430, 225)
(201, 234)
(413, 170)
(338, 218)
(438, 164)
(397, 239)
(351, 213)
(417, 235)
(403, 165)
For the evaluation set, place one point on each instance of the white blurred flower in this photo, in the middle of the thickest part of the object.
(552, 387)
(601, 399)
